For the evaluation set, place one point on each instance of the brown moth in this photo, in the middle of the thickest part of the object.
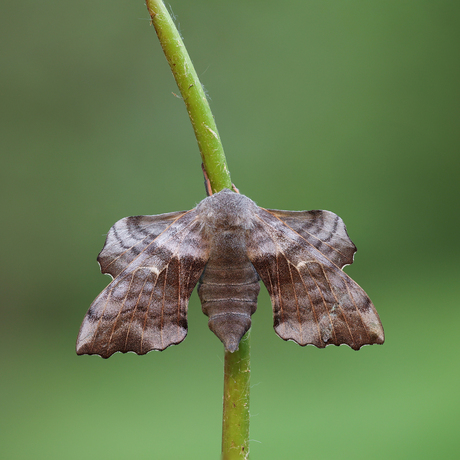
(226, 244)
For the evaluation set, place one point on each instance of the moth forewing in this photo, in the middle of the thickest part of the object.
(144, 308)
(314, 301)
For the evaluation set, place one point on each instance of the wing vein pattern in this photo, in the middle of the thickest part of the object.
(314, 301)
(145, 306)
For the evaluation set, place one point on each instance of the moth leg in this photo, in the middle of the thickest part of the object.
(235, 189)
(207, 182)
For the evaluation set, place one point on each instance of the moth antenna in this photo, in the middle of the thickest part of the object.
(207, 182)
(235, 189)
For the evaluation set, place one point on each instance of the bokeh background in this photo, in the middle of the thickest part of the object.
(350, 106)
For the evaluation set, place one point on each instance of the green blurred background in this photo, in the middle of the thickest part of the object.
(350, 106)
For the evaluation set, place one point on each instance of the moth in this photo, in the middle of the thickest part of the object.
(226, 245)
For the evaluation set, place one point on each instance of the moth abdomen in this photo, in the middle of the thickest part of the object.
(229, 306)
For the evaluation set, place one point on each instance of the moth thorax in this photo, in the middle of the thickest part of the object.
(227, 210)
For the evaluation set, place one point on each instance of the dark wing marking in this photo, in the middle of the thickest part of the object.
(324, 230)
(129, 237)
(314, 301)
(145, 307)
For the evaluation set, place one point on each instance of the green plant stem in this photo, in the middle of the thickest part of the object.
(235, 425)
(212, 152)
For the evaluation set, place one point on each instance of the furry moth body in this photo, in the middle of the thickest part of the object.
(226, 244)
(229, 287)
